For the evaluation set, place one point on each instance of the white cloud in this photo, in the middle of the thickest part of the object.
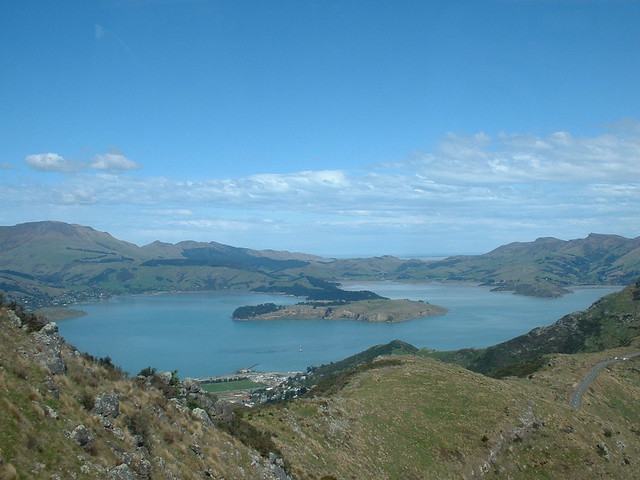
(510, 158)
(113, 162)
(100, 33)
(472, 190)
(51, 162)
(307, 181)
(213, 225)
(78, 195)
(170, 212)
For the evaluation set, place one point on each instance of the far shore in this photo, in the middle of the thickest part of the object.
(55, 314)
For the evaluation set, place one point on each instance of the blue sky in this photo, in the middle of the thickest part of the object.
(329, 127)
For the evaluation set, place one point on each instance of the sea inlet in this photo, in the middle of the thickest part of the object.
(194, 334)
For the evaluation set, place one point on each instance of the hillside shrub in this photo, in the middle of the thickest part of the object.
(250, 435)
(138, 424)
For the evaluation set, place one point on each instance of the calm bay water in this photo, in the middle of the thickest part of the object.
(194, 334)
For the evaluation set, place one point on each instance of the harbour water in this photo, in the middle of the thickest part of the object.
(193, 332)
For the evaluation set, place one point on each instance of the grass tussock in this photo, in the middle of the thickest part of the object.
(8, 472)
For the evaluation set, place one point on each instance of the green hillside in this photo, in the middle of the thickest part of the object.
(548, 266)
(416, 418)
(611, 322)
(46, 263)
(54, 263)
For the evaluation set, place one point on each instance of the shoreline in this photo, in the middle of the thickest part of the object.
(57, 314)
(253, 375)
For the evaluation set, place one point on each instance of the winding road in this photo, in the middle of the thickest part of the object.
(576, 398)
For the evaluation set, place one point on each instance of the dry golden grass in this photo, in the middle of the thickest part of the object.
(424, 419)
(8, 472)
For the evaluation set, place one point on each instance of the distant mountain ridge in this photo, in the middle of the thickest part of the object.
(55, 259)
(44, 263)
(548, 266)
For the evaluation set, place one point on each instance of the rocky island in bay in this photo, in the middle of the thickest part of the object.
(376, 310)
(325, 300)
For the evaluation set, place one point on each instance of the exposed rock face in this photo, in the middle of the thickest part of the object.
(603, 450)
(191, 386)
(223, 410)
(191, 390)
(50, 412)
(165, 376)
(14, 319)
(121, 472)
(82, 436)
(51, 354)
(202, 415)
(106, 405)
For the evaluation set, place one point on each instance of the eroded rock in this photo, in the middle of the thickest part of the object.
(121, 472)
(82, 436)
(50, 355)
(106, 405)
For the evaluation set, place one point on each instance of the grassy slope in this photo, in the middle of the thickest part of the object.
(319, 373)
(546, 266)
(417, 418)
(37, 446)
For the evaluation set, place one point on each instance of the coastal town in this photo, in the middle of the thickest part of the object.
(249, 387)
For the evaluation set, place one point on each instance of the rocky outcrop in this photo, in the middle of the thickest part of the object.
(14, 320)
(223, 411)
(106, 405)
(121, 472)
(510, 434)
(82, 436)
(50, 354)
(202, 415)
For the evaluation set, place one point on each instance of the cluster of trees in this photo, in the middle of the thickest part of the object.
(250, 311)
